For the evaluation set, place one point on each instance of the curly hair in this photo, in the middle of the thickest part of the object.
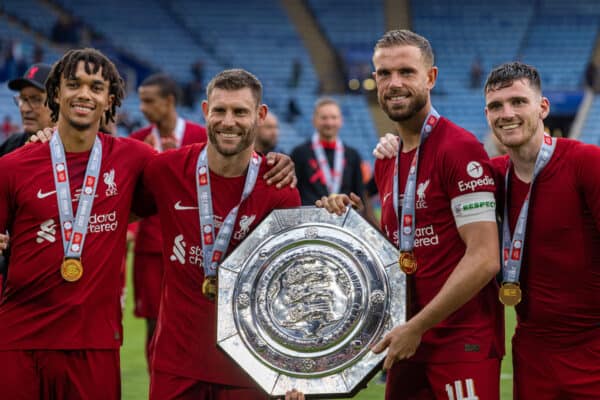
(93, 60)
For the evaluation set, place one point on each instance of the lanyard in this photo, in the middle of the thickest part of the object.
(407, 216)
(178, 134)
(512, 249)
(213, 250)
(333, 179)
(74, 228)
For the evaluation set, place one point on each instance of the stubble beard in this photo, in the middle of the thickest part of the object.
(246, 141)
(399, 115)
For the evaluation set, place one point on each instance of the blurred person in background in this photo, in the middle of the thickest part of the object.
(31, 100)
(267, 135)
(159, 95)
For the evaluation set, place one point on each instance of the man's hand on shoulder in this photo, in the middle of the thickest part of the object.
(281, 173)
(42, 136)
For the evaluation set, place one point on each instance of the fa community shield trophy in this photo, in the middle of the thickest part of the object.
(304, 296)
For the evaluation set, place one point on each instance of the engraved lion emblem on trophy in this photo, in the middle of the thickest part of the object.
(311, 295)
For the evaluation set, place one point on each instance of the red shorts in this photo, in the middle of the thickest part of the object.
(164, 386)
(147, 280)
(60, 374)
(549, 371)
(453, 381)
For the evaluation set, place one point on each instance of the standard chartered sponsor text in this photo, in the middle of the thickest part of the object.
(99, 223)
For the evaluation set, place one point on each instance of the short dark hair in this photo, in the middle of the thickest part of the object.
(93, 61)
(236, 79)
(167, 85)
(404, 37)
(504, 75)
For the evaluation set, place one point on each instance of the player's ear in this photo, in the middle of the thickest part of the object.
(262, 112)
(205, 109)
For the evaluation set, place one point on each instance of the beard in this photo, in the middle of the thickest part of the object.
(399, 114)
(247, 139)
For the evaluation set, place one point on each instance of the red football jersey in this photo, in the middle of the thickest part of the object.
(560, 273)
(39, 309)
(185, 337)
(149, 239)
(452, 163)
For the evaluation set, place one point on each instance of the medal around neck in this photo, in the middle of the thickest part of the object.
(209, 287)
(71, 269)
(304, 296)
(510, 294)
(408, 262)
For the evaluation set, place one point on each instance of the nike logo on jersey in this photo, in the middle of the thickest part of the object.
(179, 207)
(42, 195)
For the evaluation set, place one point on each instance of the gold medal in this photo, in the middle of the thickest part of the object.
(209, 287)
(408, 262)
(71, 269)
(510, 293)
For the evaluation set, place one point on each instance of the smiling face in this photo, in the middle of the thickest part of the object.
(515, 112)
(404, 80)
(83, 99)
(232, 118)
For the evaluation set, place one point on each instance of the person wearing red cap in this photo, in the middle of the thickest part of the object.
(31, 100)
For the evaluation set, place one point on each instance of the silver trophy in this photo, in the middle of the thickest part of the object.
(304, 296)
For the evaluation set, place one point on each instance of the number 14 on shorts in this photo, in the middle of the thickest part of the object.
(455, 392)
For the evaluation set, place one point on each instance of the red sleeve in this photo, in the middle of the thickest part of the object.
(141, 133)
(290, 198)
(587, 159)
(194, 133)
(466, 169)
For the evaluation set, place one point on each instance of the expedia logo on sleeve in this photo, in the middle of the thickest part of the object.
(473, 184)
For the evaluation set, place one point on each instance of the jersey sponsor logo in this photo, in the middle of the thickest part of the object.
(109, 180)
(472, 207)
(424, 236)
(178, 250)
(474, 169)
(100, 223)
(47, 232)
(245, 223)
(421, 188)
(474, 184)
(43, 195)
(179, 207)
(455, 392)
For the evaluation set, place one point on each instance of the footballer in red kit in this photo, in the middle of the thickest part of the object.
(148, 268)
(438, 184)
(556, 346)
(453, 176)
(185, 343)
(60, 327)
(186, 362)
(159, 95)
